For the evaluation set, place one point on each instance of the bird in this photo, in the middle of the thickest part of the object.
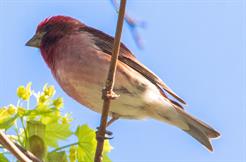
(78, 57)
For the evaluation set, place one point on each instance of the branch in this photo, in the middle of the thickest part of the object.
(29, 154)
(108, 93)
(133, 25)
(20, 153)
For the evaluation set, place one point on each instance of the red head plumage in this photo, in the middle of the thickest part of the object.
(56, 20)
(52, 29)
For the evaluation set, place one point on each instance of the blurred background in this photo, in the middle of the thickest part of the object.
(197, 47)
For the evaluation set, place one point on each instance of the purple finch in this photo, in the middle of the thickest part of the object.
(79, 56)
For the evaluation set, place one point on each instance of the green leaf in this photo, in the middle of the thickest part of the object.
(36, 136)
(36, 128)
(85, 155)
(55, 132)
(3, 158)
(37, 146)
(57, 157)
(87, 144)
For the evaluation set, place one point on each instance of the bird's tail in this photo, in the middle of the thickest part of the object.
(198, 129)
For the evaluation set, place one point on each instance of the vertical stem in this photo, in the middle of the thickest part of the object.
(23, 125)
(110, 83)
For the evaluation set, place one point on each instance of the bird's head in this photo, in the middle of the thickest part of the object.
(52, 29)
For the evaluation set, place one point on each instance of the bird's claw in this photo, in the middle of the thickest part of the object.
(100, 137)
(109, 94)
(106, 137)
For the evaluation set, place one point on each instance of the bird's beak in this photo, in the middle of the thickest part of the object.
(35, 41)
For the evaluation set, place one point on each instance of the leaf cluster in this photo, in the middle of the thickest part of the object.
(41, 128)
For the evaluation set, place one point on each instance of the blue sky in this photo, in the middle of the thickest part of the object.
(197, 47)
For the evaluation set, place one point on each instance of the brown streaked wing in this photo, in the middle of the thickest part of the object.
(105, 43)
(135, 64)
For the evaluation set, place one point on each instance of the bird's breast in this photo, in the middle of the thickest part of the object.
(81, 70)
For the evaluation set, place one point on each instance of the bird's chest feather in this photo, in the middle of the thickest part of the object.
(81, 70)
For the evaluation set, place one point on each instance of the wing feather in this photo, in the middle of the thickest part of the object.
(105, 43)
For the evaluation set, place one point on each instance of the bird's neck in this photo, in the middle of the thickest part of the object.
(48, 46)
(48, 56)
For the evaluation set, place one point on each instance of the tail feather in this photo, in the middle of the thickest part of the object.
(200, 136)
(198, 129)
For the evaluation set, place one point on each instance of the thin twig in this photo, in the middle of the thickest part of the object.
(133, 25)
(63, 147)
(9, 145)
(25, 131)
(108, 93)
(28, 154)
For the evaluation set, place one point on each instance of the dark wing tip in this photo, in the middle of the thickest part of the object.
(174, 95)
(180, 100)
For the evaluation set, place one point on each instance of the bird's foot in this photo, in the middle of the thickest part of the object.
(108, 135)
(109, 94)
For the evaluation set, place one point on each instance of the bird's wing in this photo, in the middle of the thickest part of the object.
(105, 43)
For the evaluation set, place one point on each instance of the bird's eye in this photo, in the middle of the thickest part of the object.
(48, 27)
